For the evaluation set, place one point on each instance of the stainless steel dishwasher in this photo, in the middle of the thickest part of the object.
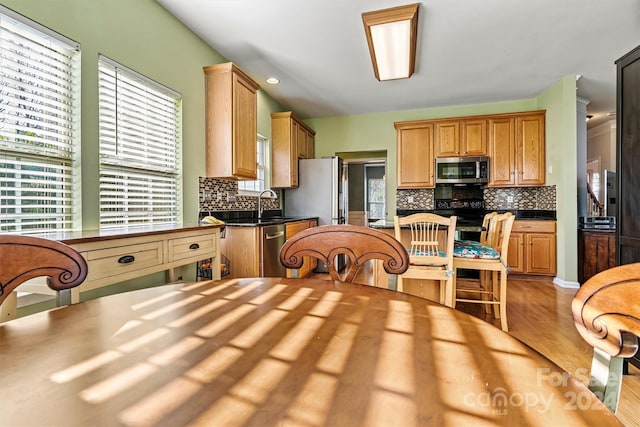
(273, 237)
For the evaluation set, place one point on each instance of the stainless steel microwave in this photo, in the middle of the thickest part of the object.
(462, 170)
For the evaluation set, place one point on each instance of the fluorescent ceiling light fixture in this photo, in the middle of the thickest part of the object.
(273, 80)
(391, 36)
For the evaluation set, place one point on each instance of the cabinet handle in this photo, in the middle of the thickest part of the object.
(194, 246)
(126, 259)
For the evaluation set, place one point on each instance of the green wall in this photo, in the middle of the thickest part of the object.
(560, 101)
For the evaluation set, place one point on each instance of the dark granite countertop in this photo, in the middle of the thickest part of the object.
(250, 218)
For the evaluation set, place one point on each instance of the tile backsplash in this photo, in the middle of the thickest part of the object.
(222, 195)
(521, 198)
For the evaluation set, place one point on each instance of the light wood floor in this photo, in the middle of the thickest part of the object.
(539, 314)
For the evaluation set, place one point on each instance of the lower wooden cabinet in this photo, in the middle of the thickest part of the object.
(532, 247)
(241, 246)
(596, 252)
(309, 264)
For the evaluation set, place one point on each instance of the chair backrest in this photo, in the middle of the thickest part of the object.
(499, 232)
(432, 238)
(606, 311)
(359, 243)
(25, 257)
(486, 221)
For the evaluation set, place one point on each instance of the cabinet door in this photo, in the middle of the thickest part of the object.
(541, 253)
(447, 139)
(415, 157)
(301, 142)
(515, 258)
(242, 249)
(245, 116)
(530, 150)
(473, 137)
(311, 145)
(502, 152)
(282, 153)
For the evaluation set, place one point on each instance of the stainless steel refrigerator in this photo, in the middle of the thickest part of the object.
(322, 192)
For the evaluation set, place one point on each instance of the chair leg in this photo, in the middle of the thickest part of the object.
(455, 292)
(485, 286)
(495, 293)
(606, 378)
(449, 296)
(503, 301)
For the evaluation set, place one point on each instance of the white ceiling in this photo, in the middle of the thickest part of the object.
(469, 51)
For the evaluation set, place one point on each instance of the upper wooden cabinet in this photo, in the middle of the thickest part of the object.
(513, 141)
(447, 138)
(517, 150)
(415, 161)
(291, 140)
(461, 138)
(231, 122)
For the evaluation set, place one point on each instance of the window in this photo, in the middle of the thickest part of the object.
(39, 127)
(140, 149)
(253, 187)
(374, 176)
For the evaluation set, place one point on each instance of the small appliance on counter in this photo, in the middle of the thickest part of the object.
(597, 222)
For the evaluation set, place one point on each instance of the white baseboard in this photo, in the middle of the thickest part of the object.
(565, 284)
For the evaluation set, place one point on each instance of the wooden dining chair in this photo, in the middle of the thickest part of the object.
(430, 251)
(485, 276)
(25, 257)
(606, 313)
(491, 260)
(360, 244)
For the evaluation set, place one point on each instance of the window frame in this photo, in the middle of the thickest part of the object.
(118, 122)
(49, 198)
(263, 169)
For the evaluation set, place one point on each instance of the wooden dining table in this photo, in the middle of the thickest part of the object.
(277, 352)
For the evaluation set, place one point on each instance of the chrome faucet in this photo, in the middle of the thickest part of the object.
(260, 208)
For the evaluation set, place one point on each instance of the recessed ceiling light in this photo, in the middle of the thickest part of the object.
(273, 80)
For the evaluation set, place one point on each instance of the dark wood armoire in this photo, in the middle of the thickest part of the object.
(628, 161)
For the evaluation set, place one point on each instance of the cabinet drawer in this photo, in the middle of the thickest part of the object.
(533, 226)
(294, 228)
(114, 261)
(191, 246)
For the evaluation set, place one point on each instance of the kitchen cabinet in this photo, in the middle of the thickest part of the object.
(241, 246)
(461, 138)
(309, 263)
(414, 151)
(231, 122)
(517, 149)
(596, 252)
(291, 140)
(532, 247)
(447, 138)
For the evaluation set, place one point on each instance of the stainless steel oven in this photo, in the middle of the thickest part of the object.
(462, 170)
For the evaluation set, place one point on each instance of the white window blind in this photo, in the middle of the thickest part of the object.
(140, 133)
(256, 186)
(39, 127)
